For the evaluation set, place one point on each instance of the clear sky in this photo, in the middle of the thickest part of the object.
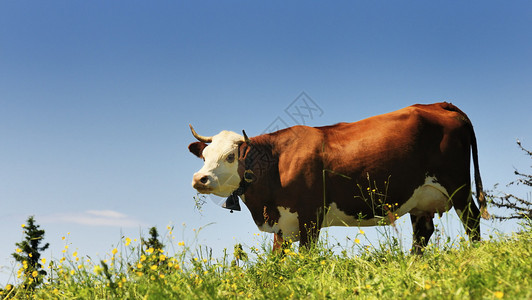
(96, 98)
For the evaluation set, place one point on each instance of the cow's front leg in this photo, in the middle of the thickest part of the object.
(309, 233)
(277, 242)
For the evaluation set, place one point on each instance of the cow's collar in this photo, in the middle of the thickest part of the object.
(247, 179)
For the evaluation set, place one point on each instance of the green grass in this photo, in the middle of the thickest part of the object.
(499, 268)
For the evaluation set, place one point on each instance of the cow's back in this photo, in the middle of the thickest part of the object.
(417, 129)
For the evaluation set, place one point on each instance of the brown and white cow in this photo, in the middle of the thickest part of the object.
(297, 180)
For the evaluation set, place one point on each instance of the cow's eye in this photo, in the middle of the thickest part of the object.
(230, 158)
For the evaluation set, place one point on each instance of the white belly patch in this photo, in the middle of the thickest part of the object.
(336, 217)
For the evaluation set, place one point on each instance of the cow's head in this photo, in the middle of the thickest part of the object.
(219, 175)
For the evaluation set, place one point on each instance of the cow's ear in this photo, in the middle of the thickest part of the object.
(197, 148)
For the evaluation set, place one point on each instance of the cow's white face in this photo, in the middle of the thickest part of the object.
(219, 175)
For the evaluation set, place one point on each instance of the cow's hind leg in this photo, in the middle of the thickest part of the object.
(470, 216)
(423, 227)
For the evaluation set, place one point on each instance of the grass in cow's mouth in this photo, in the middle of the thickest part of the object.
(497, 268)
(199, 201)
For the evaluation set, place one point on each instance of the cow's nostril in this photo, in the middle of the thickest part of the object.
(204, 179)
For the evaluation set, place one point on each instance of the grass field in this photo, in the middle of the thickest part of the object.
(500, 268)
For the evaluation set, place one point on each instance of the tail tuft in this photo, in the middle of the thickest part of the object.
(483, 206)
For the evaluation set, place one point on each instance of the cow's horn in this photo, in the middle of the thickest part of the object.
(246, 139)
(201, 138)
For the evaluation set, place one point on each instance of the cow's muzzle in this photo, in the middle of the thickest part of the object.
(202, 182)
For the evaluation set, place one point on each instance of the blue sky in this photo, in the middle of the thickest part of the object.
(96, 98)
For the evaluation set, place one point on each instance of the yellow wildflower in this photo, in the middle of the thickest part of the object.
(35, 274)
(357, 241)
(128, 241)
(23, 225)
(361, 231)
(75, 253)
(149, 250)
(114, 251)
(97, 269)
(498, 294)
(154, 267)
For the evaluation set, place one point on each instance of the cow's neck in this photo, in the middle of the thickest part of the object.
(255, 161)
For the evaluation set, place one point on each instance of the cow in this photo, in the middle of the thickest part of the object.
(298, 180)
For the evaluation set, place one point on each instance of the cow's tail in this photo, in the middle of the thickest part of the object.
(481, 196)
